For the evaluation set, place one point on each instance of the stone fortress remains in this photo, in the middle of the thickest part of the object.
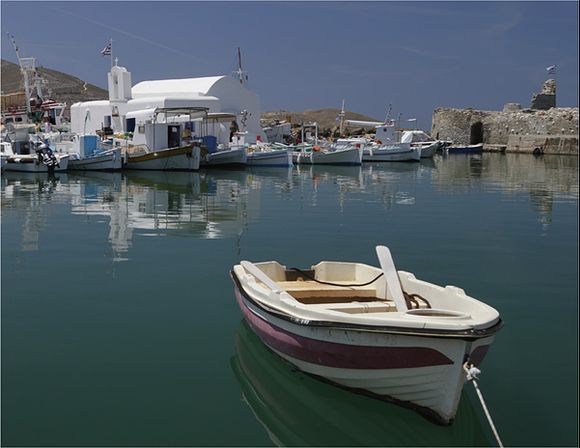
(543, 128)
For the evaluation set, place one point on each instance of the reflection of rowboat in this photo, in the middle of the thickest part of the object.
(298, 410)
(377, 331)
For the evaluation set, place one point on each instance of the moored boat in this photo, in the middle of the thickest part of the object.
(380, 332)
(423, 141)
(108, 160)
(259, 156)
(43, 160)
(161, 140)
(400, 152)
(318, 155)
(465, 149)
(228, 157)
(183, 158)
(428, 149)
(28, 163)
(87, 153)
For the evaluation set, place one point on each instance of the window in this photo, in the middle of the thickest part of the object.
(130, 126)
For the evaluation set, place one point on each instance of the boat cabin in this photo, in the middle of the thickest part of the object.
(161, 128)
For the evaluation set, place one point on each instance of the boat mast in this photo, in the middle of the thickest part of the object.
(387, 118)
(27, 65)
(341, 115)
(240, 72)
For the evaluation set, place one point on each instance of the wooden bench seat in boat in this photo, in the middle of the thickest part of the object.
(308, 291)
(381, 306)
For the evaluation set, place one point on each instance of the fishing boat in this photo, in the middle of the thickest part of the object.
(387, 133)
(222, 158)
(31, 163)
(377, 331)
(465, 149)
(265, 155)
(105, 160)
(26, 153)
(32, 105)
(400, 152)
(314, 152)
(325, 156)
(160, 140)
(420, 139)
(88, 153)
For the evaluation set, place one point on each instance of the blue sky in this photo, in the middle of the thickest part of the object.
(413, 55)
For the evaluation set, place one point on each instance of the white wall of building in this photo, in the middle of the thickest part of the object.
(217, 93)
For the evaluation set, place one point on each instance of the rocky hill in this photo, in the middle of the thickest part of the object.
(326, 118)
(65, 88)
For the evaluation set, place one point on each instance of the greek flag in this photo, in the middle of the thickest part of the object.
(551, 69)
(107, 50)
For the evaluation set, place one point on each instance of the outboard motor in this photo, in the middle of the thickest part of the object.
(46, 156)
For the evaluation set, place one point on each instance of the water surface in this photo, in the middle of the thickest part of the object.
(119, 325)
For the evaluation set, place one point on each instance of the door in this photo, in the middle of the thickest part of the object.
(173, 136)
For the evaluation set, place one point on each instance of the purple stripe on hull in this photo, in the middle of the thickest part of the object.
(477, 355)
(337, 355)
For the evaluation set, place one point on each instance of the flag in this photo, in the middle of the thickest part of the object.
(551, 69)
(107, 50)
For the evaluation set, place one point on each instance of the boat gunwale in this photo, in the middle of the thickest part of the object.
(467, 335)
(160, 154)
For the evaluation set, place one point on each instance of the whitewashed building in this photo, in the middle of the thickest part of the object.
(220, 94)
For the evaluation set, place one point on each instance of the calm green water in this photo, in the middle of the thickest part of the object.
(119, 325)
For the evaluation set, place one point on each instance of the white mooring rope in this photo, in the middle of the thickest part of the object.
(472, 372)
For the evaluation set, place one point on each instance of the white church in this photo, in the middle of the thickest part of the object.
(219, 94)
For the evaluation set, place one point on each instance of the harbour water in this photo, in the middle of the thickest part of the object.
(119, 325)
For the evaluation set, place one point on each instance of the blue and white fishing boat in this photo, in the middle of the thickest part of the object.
(89, 154)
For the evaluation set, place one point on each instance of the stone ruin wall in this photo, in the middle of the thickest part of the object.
(543, 126)
(554, 130)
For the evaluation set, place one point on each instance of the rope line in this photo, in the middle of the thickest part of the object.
(337, 284)
(410, 299)
(472, 373)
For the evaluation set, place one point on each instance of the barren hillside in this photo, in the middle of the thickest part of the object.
(65, 88)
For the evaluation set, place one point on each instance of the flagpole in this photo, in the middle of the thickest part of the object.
(111, 43)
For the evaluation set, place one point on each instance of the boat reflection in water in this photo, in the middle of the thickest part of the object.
(299, 410)
(203, 205)
(35, 194)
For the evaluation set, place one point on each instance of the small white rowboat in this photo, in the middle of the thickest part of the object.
(374, 330)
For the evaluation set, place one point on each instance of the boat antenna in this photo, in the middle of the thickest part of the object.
(242, 76)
